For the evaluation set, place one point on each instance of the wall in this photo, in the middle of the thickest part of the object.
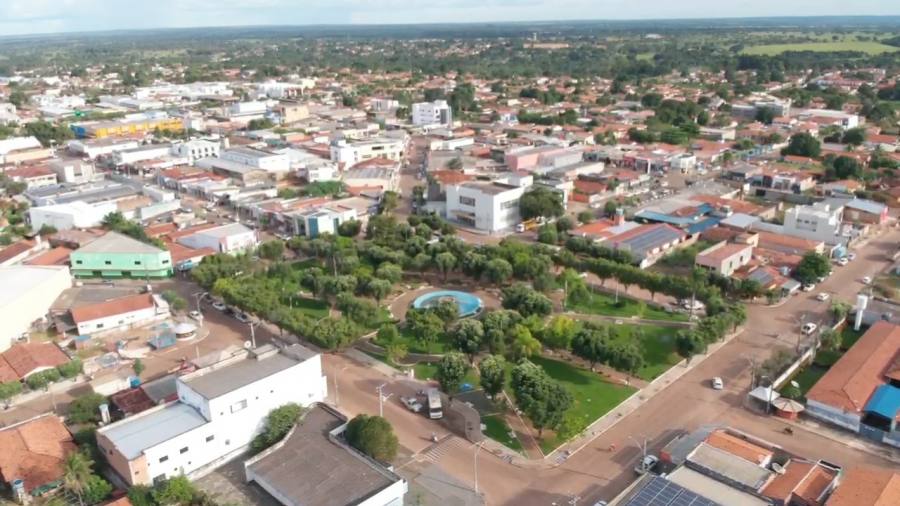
(831, 415)
(65, 218)
(33, 304)
(151, 264)
(115, 321)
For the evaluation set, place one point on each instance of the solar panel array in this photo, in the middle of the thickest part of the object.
(662, 492)
(652, 239)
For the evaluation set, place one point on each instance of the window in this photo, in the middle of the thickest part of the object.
(509, 204)
(99, 325)
(466, 201)
(137, 262)
(159, 479)
(183, 450)
(210, 438)
(78, 262)
(163, 459)
(237, 406)
(108, 262)
(165, 262)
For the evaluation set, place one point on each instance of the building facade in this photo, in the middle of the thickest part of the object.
(26, 294)
(438, 112)
(492, 207)
(229, 238)
(118, 256)
(220, 409)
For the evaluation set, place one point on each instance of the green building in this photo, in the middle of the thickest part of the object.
(118, 256)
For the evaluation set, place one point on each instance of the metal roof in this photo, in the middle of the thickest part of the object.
(731, 468)
(657, 491)
(885, 401)
(229, 378)
(114, 242)
(653, 238)
(135, 434)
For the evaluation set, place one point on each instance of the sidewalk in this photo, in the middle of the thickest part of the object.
(846, 438)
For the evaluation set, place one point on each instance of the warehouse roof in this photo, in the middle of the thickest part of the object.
(114, 242)
(112, 307)
(135, 434)
(657, 491)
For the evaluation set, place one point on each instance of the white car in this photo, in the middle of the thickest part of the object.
(242, 317)
(843, 261)
(717, 383)
(808, 328)
(195, 315)
(808, 288)
(219, 305)
(822, 297)
(866, 280)
(646, 464)
(851, 256)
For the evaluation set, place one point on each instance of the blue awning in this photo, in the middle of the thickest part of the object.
(885, 402)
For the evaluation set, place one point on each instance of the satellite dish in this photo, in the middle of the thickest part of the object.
(247, 345)
(778, 468)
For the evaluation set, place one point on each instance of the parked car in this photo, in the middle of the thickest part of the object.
(411, 404)
(717, 383)
(809, 287)
(219, 305)
(822, 297)
(195, 315)
(851, 256)
(808, 328)
(242, 317)
(867, 280)
(646, 464)
(843, 261)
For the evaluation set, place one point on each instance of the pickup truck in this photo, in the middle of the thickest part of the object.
(411, 404)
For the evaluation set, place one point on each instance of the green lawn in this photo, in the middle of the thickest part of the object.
(311, 307)
(821, 47)
(605, 304)
(593, 396)
(657, 345)
(497, 429)
(850, 336)
(808, 377)
(442, 345)
(427, 370)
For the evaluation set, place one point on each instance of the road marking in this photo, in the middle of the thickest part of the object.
(434, 452)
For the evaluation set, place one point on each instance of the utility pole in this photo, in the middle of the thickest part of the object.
(252, 335)
(477, 449)
(382, 398)
(641, 446)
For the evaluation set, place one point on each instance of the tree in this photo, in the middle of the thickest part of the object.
(138, 367)
(450, 372)
(424, 325)
(564, 224)
(71, 368)
(522, 344)
(350, 228)
(559, 332)
(586, 216)
(831, 340)
(468, 337)
(374, 436)
(610, 208)
(843, 167)
(76, 474)
(541, 202)
(447, 311)
(492, 371)
(854, 136)
(396, 352)
(379, 288)
(9, 390)
(765, 115)
(390, 272)
(803, 144)
(839, 310)
(176, 301)
(549, 413)
(548, 234)
(445, 263)
(688, 344)
(177, 490)
(812, 267)
(498, 271)
(272, 250)
(626, 357)
(387, 333)
(96, 490)
(86, 408)
(526, 300)
(278, 423)
(389, 201)
(260, 124)
(591, 344)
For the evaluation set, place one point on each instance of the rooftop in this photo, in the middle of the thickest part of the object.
(22, 359)
(120, 305)
(226, 230)
(135, 434)
(701, 484)
(867, 486)
(114, 242)
(216, 381)
(16, 280)
(729, 466)
(654, 490)
(312, 467)
(853, 379)
(739, 447)
(718, 253)
(34, 451)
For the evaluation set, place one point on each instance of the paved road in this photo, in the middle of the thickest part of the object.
(594, 473)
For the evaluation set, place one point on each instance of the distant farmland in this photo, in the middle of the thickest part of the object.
(821, 47)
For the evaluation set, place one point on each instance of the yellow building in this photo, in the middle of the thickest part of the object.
(103, 129)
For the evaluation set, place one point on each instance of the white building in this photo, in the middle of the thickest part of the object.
(72, 170)
(220, 409)
(323, 220)
(843, 119)
(246, 111)
(119, 313)
(26, 294)
(818, 222)
(94, 148)
(348, 154)
(279, 90)
(196, 149)
(77, 214)
(265, 160)
(489, 206)
(8, 114)
(230, 238)
(438, 112)
(142, 154)
(384, 104)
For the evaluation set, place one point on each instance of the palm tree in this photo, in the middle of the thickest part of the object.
(77, 470)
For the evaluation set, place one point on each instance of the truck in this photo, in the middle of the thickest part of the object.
(529, 224)
(435, 409)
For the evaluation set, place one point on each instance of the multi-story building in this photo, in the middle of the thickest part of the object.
(118, 256)
(322, 220)
(102, 129)
(229, 238)
(26, 294)
(348, 154)
(72, 170)
(70, 215)
(490, 206)
(34, 176)
(220, 409)
(724, 258)
(817, 222)
(196, 149)
(265, 160)
(438, 112)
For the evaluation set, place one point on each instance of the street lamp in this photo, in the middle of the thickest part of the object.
(382, 398)
(641, 446)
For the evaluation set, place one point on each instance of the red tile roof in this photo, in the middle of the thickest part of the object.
(112, 307)
(739, 447)
(867, 486)
(25, 358)
(34, 451)
(13, 250)
(55, 256)
(852, 379)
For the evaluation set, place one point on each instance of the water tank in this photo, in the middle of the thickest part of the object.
(104, 413)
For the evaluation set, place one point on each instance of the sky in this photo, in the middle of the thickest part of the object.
(18, 17)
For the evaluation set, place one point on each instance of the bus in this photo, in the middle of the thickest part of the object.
(435, 411)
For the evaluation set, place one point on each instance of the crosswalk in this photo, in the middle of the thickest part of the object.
(434, 452)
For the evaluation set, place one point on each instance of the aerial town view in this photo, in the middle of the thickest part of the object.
(510, 252)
